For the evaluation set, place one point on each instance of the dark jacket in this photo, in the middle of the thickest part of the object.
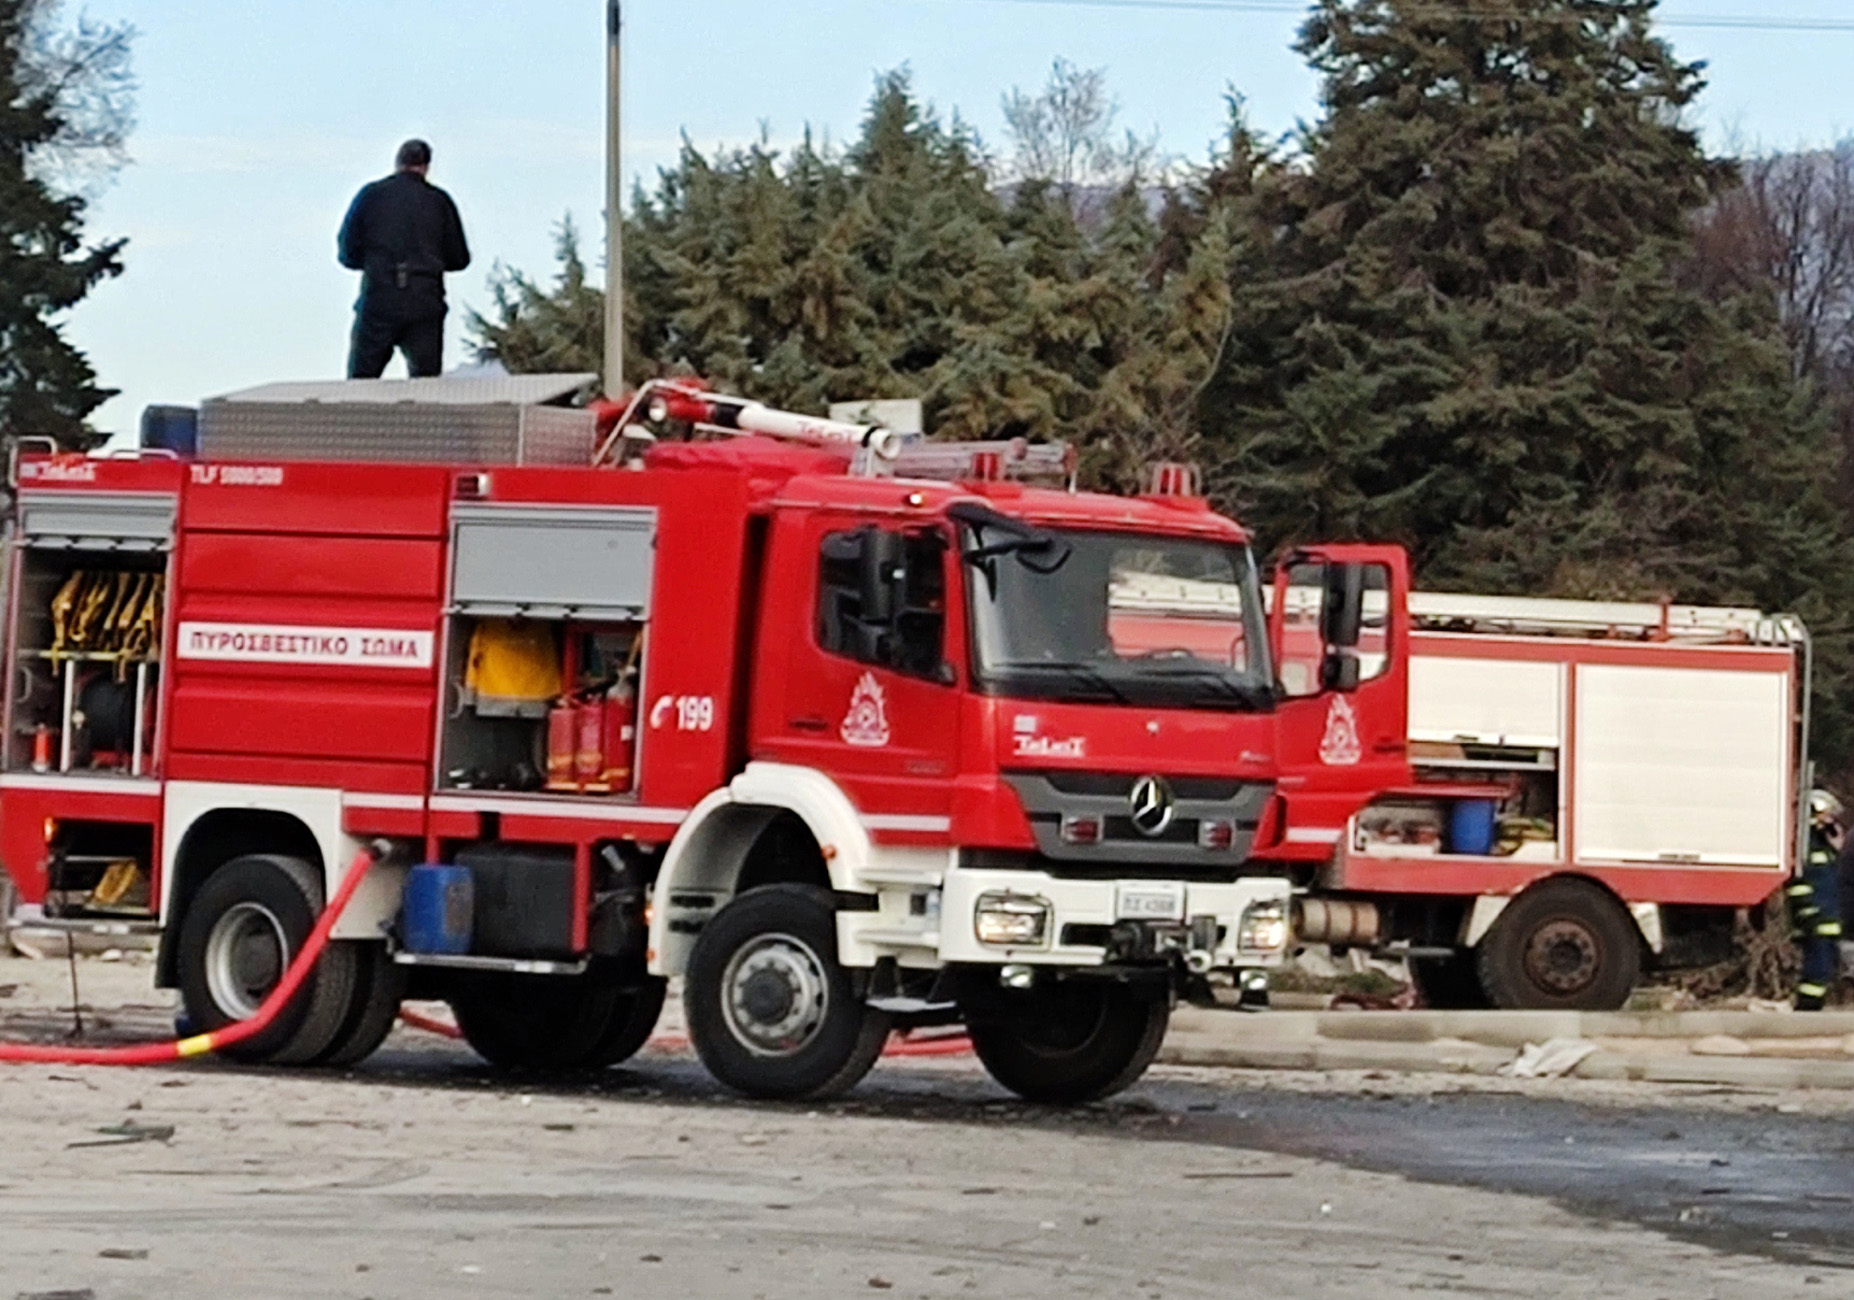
(402, 233)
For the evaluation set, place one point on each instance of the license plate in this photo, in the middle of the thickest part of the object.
(1154, 902)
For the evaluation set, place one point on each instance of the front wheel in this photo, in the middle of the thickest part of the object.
(770, 1011)
(1071, 1041)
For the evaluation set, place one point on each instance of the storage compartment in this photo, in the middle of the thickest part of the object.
(545, 706)
(87, 646)
(524, 901)
(1522, 822)
(100, 869)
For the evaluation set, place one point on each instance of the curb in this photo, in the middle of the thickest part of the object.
(1480, 1043)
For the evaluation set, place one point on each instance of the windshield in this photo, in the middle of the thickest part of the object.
(1116, 618)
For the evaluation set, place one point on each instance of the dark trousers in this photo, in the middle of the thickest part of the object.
(1815, 910)
(377, 334)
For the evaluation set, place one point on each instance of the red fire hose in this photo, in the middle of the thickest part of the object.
(226, 1036)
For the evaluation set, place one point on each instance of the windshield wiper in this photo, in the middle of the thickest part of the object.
(1092, 678)
(1254, 696)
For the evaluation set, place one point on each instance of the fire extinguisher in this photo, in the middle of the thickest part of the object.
(620, 735)
(589, 747)
(562, 742)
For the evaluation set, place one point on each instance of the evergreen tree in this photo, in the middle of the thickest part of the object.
(536, 331)
(1477, 338)
(49, 122)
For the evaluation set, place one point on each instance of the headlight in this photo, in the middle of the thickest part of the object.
(1264, 927)
(1011, 920)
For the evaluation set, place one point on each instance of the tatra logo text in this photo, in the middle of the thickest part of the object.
(354, 647)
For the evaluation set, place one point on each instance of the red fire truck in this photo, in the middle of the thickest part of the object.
(846, 748)
(1596, 788)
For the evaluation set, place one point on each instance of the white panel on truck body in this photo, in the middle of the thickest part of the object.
(1682, 764)
(1486, 701)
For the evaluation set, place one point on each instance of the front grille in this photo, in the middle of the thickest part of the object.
(1119, 785)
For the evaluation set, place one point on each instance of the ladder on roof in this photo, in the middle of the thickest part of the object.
(1594, 619)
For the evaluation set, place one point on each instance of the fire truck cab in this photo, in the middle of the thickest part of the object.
(845, 751)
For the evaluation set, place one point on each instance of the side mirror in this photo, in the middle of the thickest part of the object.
(1340, 671)
(879, 574)
(1342, 612)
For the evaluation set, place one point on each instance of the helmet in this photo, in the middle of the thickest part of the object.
(1824, 807)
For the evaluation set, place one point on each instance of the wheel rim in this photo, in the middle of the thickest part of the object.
(1563, 957)
(245, 955)
(775, 995)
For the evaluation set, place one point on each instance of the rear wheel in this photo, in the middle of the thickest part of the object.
(1449, 983)
(771, 1013)
(1069, 1041)
(379, 988)
(242, 930)
(1564, 945)
(534, 1022)
(633, 1017)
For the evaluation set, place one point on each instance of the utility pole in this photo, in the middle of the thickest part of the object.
(614, 201)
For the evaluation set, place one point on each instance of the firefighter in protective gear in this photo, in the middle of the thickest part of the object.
(1815, 903)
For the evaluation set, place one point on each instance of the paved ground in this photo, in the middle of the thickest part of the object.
(421, 1175)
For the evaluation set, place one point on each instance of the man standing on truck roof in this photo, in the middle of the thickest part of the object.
(402, 234)
(1815, 902)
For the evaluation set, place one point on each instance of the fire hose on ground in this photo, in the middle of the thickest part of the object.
(227, 1035)
(177, 1049)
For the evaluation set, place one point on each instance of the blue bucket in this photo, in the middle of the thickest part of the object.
(439, 911)
(1471, 827)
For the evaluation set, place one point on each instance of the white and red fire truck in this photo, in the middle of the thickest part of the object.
(845, 749)
(1642, 778)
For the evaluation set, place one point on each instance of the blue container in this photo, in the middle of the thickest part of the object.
(171, 428)
(439, 911)
(1471, 827)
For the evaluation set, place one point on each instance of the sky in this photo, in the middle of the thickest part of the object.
(259, 119)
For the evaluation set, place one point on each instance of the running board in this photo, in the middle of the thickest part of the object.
(507, 965)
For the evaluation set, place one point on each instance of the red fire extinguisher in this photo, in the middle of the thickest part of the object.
(589, 747)
(562, 742)
(620, 736)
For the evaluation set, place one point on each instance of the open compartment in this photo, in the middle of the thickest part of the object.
(544, 648)
(541, 705)
(1473, 812)
(86, 645)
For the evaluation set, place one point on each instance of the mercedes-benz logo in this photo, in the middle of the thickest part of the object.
(1152, 806)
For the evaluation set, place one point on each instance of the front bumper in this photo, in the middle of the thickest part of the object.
(1088, 921)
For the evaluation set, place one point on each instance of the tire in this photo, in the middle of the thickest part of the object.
(240, 932)
(1069, 1041)
(534, 1022)
(634, 1015)
(770, 1011)
(1449, 983)
(1564, 945)
(380, 986)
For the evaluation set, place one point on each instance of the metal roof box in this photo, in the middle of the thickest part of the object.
(490, 419)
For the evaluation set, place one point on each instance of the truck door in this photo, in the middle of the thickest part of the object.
(1340, 627)
(868, 692)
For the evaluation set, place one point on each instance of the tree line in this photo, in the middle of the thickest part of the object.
(1496, 303)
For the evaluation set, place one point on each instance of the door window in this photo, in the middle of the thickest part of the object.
(882, 599)
(1305, 652)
